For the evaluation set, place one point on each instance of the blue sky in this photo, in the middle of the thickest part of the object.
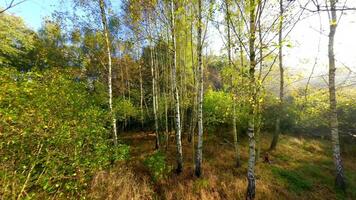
(33, 11)
(304, 37)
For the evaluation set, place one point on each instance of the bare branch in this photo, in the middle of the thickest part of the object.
(11, 5)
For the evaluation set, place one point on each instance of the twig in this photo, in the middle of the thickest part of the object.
(29, 174)
(11, 5)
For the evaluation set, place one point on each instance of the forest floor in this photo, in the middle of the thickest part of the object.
(300, 168)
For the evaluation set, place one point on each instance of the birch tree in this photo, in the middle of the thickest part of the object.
(195, 93)
(252, 98)
(199, 152)
(228, 21)
(176, 93)
(108, 51)
(340, 179)
(281, 76)
(154, 96)
(330, 7)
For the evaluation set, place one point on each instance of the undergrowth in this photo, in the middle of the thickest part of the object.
(157, 165)
(295, 182)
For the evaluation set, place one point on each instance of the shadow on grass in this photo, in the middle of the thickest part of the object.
(314, 177)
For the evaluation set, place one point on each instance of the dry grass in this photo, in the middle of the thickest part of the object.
(121, 183)
(300, 169)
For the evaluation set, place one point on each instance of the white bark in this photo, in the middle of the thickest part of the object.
(176, 94)
(340, 179)
(108, 51)
(154, 99)
(195, 99)
(199, 152)
(251, 188)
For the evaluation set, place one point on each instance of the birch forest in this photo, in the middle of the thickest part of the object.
(178, 99)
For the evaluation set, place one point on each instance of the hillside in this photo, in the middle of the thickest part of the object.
(129, 99)
(301, 168)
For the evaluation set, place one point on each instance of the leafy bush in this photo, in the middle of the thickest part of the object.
(289, 114)
(347, 112)
(310, 115)
(124, 109)
(17, 42)
(156, 164)
(217, 108)
(53, 135)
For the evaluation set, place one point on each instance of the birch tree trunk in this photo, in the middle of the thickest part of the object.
(166, 95)
(156, 59)
(176, 94)
(340, 179)
(281, 74)
(123, 89)
(251, 188)
(237, 152)
(157, 144)
(195, 91)
(169, 87)
(258, 117)
(141, 96)
(108, 51)
(199, 152)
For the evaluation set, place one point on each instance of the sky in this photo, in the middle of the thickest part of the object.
(33, 11)
(304, 38)
(306, 47)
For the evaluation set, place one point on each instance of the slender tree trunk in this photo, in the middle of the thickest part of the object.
(127, 119)
(141, 95)
(236, 145)
(157, 87)
(157, 144)
(340, 179)
(166, 96)
(123, 83)
(123, 94)
(258, 120)
(169, 89)
(184, 80)
(128, 82)
(182, 74)
(199, 152)
(258, 124)
(251, 188)
(281, 85)
(191, 137)
(195, 91)
(108, 51)
(176, 94)
(166, 117)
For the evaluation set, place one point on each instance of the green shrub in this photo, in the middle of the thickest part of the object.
(351, 181)
(217, 108)
(310, 115)
(52, 131)
(289, 113)
(200, 184)
(156, 164)
(124, 109)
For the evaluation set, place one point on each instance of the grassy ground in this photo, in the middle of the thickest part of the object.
(299, 169)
